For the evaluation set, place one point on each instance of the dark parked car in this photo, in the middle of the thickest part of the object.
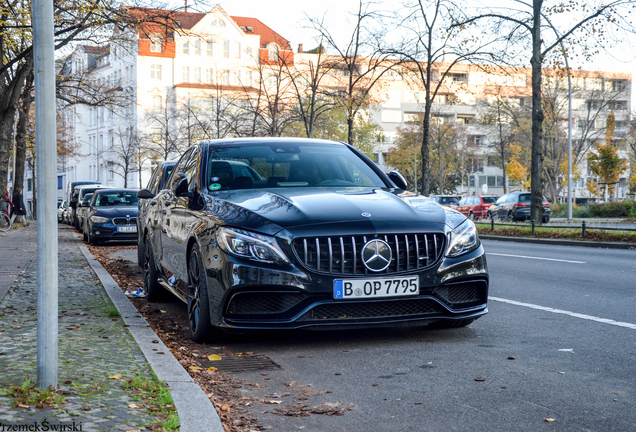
(112, 215)
(476, 206)
(324, 240)
(60, 211)
(515, 206)
(73, 197)
(156, 183)
(82, 209)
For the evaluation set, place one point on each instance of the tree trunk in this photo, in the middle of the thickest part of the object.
(350, 129)
(6, 132)
(426, 127)
(20, 139)
(536, 170)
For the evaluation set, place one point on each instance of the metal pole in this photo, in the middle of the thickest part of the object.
(47, 297)
(569, 134)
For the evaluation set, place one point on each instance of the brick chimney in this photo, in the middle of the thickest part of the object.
(300, 48)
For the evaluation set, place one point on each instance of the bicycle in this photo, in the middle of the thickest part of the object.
(5, 222)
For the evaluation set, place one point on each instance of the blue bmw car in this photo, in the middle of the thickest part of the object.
(112, 215)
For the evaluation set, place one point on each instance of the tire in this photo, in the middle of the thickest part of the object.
(198, 304)
(91, 240)
(510, 217)
(471, 216)
(546, 219)
(489, 216)
(84, 235)
(154, 291)
(447, 323)
(5, 222)
(141, 258)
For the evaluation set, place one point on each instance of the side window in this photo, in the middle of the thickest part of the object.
(462, 202)
(154, 181)
(501, 200)
(190, 168)
(178, 168)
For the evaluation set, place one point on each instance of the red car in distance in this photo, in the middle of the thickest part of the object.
(476, 206)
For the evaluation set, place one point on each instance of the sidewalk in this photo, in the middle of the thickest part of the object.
(98, 355)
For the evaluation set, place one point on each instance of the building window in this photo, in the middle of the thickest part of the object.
(111, 140)
(209, 51)
(217, 23)
(197, 47)
(157, 103)
(60, 182)
(29, 185)
(111, 172)
(197, 74)
(389, 116)
(186, 48)
(272, 52)
(186, 74)
(155, 72)
(225, 77)
(248, 79)
(209, 74)
(226, 48)
(475, 140)
(237, 50)
(237, 78)
(155, 44)
(101, 143)
(248, 51)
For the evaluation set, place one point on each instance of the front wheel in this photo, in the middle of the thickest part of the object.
(198, 304)
(471, 216)
(510, 217)
(5, 222)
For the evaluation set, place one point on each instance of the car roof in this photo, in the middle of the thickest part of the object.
(271, 140)
(92, 185)
(117, 190)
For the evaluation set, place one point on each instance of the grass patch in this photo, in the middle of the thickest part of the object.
(156, 398)
(591, 234)
(110, 311)
(27, 395)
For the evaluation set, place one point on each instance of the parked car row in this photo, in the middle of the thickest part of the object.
(285, 233)
(511, 207)
(100, 213)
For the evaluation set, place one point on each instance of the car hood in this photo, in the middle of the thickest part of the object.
(117, 211)
(349, 210)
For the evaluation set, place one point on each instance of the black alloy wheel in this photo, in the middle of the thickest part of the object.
(198, 304)
(510, 217)
(154, 291)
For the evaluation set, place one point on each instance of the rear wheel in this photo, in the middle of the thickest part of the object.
(510, 217)
(201, 329)
(154, 291)
(546, 219)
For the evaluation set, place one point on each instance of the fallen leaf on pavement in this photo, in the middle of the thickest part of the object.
(195, 368)
(511, 358)
(274, 402)
(214, 357)
(225, 407)
(480, 379)
(550, 420)
(133, 406)
(115, 376)
(212, 368)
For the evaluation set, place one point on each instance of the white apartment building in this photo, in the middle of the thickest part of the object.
(158, 74)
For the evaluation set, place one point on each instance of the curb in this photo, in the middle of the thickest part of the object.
(561, 242)
(196, 412)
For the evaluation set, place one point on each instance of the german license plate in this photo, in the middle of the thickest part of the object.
(127, 229)
(374, 288)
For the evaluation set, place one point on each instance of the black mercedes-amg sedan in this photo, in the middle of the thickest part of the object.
(285, 233)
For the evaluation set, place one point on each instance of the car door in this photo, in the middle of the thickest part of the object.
(166, 203)
(500, 209)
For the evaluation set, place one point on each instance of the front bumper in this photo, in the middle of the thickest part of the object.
(109, 231)
(243, 296)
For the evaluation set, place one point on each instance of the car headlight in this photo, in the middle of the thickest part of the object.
(246, 244)
(99, 219)
(462, 239)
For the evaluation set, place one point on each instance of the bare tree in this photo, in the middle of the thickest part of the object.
(541, 21)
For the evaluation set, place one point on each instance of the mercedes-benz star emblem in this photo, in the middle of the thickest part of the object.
(376, 255)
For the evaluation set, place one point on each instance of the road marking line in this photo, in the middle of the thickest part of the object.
(564, 312)
(537, 258)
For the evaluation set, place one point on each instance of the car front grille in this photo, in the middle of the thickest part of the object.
(125, 221)
(375, 309)
(341, 255)
(257, 303)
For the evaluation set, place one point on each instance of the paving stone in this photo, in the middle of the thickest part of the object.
(92, 346)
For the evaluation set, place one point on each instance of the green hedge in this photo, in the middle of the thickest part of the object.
(621, 209)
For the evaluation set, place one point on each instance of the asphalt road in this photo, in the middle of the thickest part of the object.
(559, 343)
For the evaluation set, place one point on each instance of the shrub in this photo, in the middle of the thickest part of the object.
(618, 209)
(561, 211)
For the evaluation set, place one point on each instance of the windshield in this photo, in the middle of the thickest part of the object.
(287, 165)
(87, 198)
(447, 200)
(489, 200)
(110, 199)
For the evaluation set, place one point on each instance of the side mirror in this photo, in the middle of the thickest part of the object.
(182, 189)
(397, 179)
(145, 194)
